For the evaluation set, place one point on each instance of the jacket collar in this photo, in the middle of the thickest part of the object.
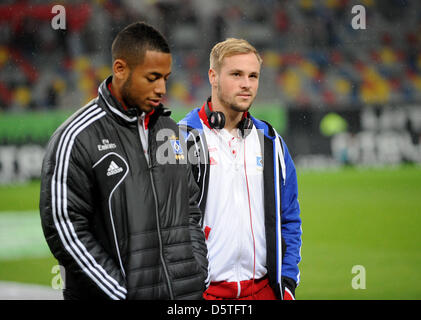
(202, 112)
(116, 108)
(126, 114)
(192, 120)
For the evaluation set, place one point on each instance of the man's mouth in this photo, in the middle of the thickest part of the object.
(154, 102)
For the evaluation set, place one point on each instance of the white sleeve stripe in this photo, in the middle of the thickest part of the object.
(65, 222)
(65, 194)
(66, 152)
(281, 155)
(111, 214)
(283, 166)
(198, 160)
(109, 204)
(205, 155)
(278, 217)
(61, 219)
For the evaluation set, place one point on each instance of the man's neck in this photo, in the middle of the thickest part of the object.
(232, 117)
(115, 92)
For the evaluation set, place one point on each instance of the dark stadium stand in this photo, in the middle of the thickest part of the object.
(313, 58)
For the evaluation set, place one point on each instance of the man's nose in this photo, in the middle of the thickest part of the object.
(160, 88)
(245, 83)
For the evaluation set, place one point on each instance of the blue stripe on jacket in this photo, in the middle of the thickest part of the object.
(290, 218)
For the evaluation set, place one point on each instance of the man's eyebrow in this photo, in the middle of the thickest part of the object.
(157, 74)
(243, 71)
(236, 70)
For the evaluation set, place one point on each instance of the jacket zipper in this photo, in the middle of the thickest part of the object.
(160, 238)
(158, 224)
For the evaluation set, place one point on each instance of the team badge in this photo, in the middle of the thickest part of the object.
(176, 147)
(259, 162)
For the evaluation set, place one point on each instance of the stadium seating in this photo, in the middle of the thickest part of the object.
(312, 56)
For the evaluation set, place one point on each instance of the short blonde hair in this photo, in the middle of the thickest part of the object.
(228, 48)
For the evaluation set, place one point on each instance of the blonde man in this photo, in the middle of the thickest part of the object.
(248, 184)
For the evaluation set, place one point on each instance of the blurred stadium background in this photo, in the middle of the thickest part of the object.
(347, 102)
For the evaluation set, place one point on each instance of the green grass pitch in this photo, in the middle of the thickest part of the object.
(351, 217)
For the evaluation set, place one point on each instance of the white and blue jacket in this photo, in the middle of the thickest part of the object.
(282, 210)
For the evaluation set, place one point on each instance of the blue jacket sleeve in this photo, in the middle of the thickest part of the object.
(290, 220)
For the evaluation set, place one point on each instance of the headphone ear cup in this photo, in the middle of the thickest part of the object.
(245, 126)
(221, 120)
(216, 120)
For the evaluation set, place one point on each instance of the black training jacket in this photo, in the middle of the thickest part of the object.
(121, 228)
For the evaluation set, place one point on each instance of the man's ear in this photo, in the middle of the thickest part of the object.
(213, 77)
(120, 69)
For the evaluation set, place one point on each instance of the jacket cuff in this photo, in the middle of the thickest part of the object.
(288, 288)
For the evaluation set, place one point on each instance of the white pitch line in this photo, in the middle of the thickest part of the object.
(20, 291)
(21, 235)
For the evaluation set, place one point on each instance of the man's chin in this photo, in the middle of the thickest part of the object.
(146, 108)
(240, 107)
